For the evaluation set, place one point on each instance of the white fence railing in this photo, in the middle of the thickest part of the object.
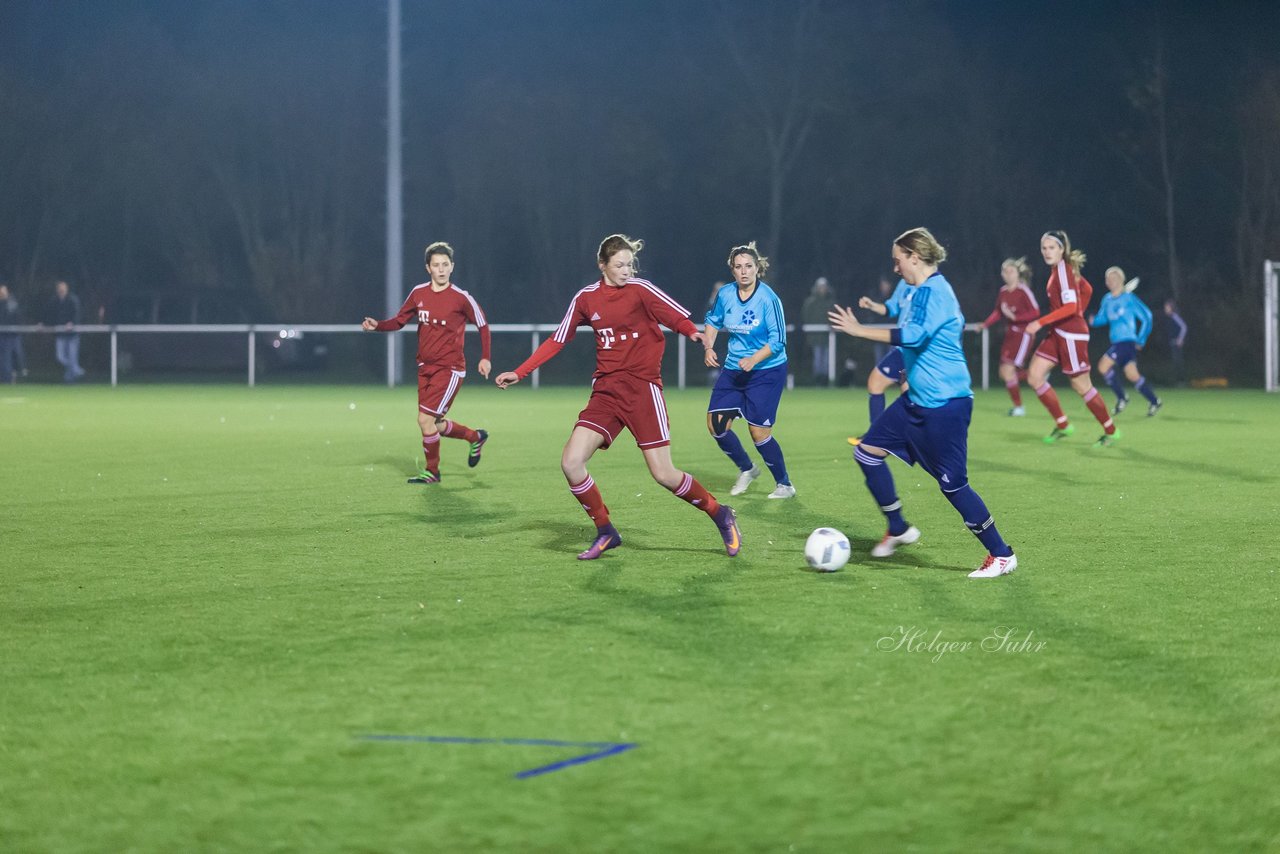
(251, 331)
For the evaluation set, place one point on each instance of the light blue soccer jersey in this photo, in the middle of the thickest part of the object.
(750, 324)
(930, 330)
(899, 299)
(1124, 313)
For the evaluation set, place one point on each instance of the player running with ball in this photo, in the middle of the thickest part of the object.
(929, 423)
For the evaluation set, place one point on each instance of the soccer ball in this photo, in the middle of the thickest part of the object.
(826, 550)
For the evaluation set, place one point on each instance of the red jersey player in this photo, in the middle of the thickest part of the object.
(1067, 344)
(626, 389)
(1016, 305)
(442, 311)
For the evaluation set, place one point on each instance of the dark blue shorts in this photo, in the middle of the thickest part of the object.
(1123, 352)
(937, 439)
(754, 395)
(892, 365)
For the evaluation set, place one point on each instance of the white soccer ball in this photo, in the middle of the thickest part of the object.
(826, 550)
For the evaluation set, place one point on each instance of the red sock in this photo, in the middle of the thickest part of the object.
(1049, 398)
(696, 494)
(431, 450)
(1098, 407)
(454, 430)
(1015, 393)
(589, 497)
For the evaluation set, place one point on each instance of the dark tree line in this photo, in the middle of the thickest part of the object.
(239, 147)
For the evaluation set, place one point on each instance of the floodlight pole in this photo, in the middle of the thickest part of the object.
(395, 201)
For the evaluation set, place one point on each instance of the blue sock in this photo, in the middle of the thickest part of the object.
(771, 453)
(1113, 380)
(732, 446)
(978, 520)
(875, 403)
(1146, 390)
(880, 483)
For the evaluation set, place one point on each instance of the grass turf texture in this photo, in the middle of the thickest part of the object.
(211, 593)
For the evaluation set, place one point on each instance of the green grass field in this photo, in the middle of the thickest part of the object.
(212, 596)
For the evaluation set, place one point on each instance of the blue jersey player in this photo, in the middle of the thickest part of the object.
(889, 370)
(755, 369)
(1130, 325)
(929, 423)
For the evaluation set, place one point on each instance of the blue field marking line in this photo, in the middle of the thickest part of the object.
(600, 749)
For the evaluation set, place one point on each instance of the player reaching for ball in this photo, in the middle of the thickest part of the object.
(442, 311)
(626, 389)
(929, 423)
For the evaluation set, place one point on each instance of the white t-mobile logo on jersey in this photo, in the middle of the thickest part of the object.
(606, 337)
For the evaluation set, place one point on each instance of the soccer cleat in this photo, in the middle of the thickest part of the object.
(994, 567)
(854, 440)
(1107, 440)
(473, 456)
(726, 520)
(1059, 433)
(1155, 407)
(744, 480)
(783, 490)
(609, 539)
(425, 476)
(890, 543)
(1121, 405)
(1017, 412)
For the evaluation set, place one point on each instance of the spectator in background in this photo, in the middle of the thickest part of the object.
(63, 316)
(814, 313)
(885, 288)
(8, 340)
(1177, 337)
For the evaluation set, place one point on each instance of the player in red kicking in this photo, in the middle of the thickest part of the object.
(626, 389)
(442, 311)
(1067, 342)
(1016, 305)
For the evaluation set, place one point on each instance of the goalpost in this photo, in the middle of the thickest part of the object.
(1271, 321)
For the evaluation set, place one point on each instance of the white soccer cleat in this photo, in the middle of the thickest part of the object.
(1017, 412)
(783, 490)
(890, 543)
(994, 566)
(744, 480)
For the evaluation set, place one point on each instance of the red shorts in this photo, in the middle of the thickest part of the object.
(1068, 350)
(621, 400)
(437, 387)
(1015, 348)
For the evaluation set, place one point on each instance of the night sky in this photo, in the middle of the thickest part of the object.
(239, 146)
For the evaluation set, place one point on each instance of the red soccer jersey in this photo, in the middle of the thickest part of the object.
(1069, 295)
(1018, 307)
(626, 322)
(442, 318)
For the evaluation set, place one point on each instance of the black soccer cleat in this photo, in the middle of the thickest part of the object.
(473, 456)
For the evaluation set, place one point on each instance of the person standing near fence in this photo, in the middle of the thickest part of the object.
(929, 423)
(627, 314)
(1016, 305)
(442, 311)
(755, 369)
(814, 313)
(8, 340)
(1177, 337)
(64, 315)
